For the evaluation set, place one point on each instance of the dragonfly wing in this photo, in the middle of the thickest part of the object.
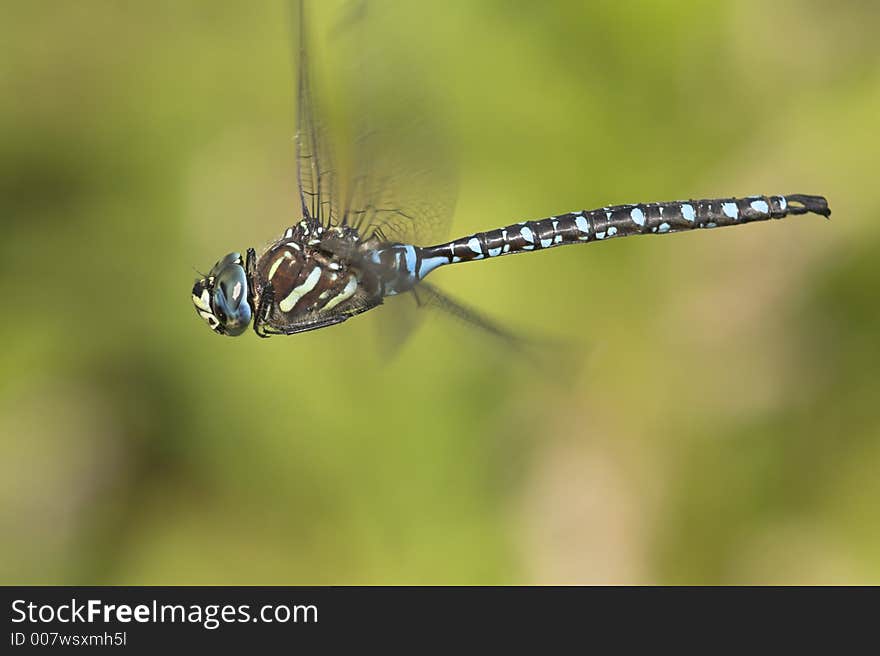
(428, 296)
(396, 196)
(398, 319)
(557, 358)
(402, 180)
(316, 176)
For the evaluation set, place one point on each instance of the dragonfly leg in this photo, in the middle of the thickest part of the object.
(263, 309)
(266, 296)
(329, 321)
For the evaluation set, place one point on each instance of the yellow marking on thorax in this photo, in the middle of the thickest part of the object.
(298, 292)
(347, 292)
(286, 255)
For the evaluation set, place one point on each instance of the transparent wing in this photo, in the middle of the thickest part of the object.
(557, 359)
(402, 181)
(429, 297)
(394, 323)
(402, 314)
(316, 176)
(396, 195)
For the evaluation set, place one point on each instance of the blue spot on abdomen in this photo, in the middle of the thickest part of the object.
(760, 206)
(730, 210)
(637, 216)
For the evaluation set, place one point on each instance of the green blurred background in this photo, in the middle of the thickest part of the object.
(722, 426)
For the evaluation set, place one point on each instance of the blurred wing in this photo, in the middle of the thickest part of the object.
(316, 176)
(398, 182)
(402, 183)
(395, 322)
(558, 360)
(428, 296)
(396, 196)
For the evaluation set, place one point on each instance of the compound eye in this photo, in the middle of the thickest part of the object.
(229, 301)
(224, 264)
(231, 283)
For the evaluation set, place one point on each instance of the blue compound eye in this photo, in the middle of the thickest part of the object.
(230, 298)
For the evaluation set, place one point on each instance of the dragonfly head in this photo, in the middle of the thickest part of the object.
(221, 297)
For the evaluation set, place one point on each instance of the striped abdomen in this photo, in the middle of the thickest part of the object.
(617, 221)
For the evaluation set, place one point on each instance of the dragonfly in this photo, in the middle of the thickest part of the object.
(350, 252)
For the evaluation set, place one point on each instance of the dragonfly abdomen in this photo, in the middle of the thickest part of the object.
(616, 221)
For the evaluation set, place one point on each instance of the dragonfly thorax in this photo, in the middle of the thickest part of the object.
(309, 276)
